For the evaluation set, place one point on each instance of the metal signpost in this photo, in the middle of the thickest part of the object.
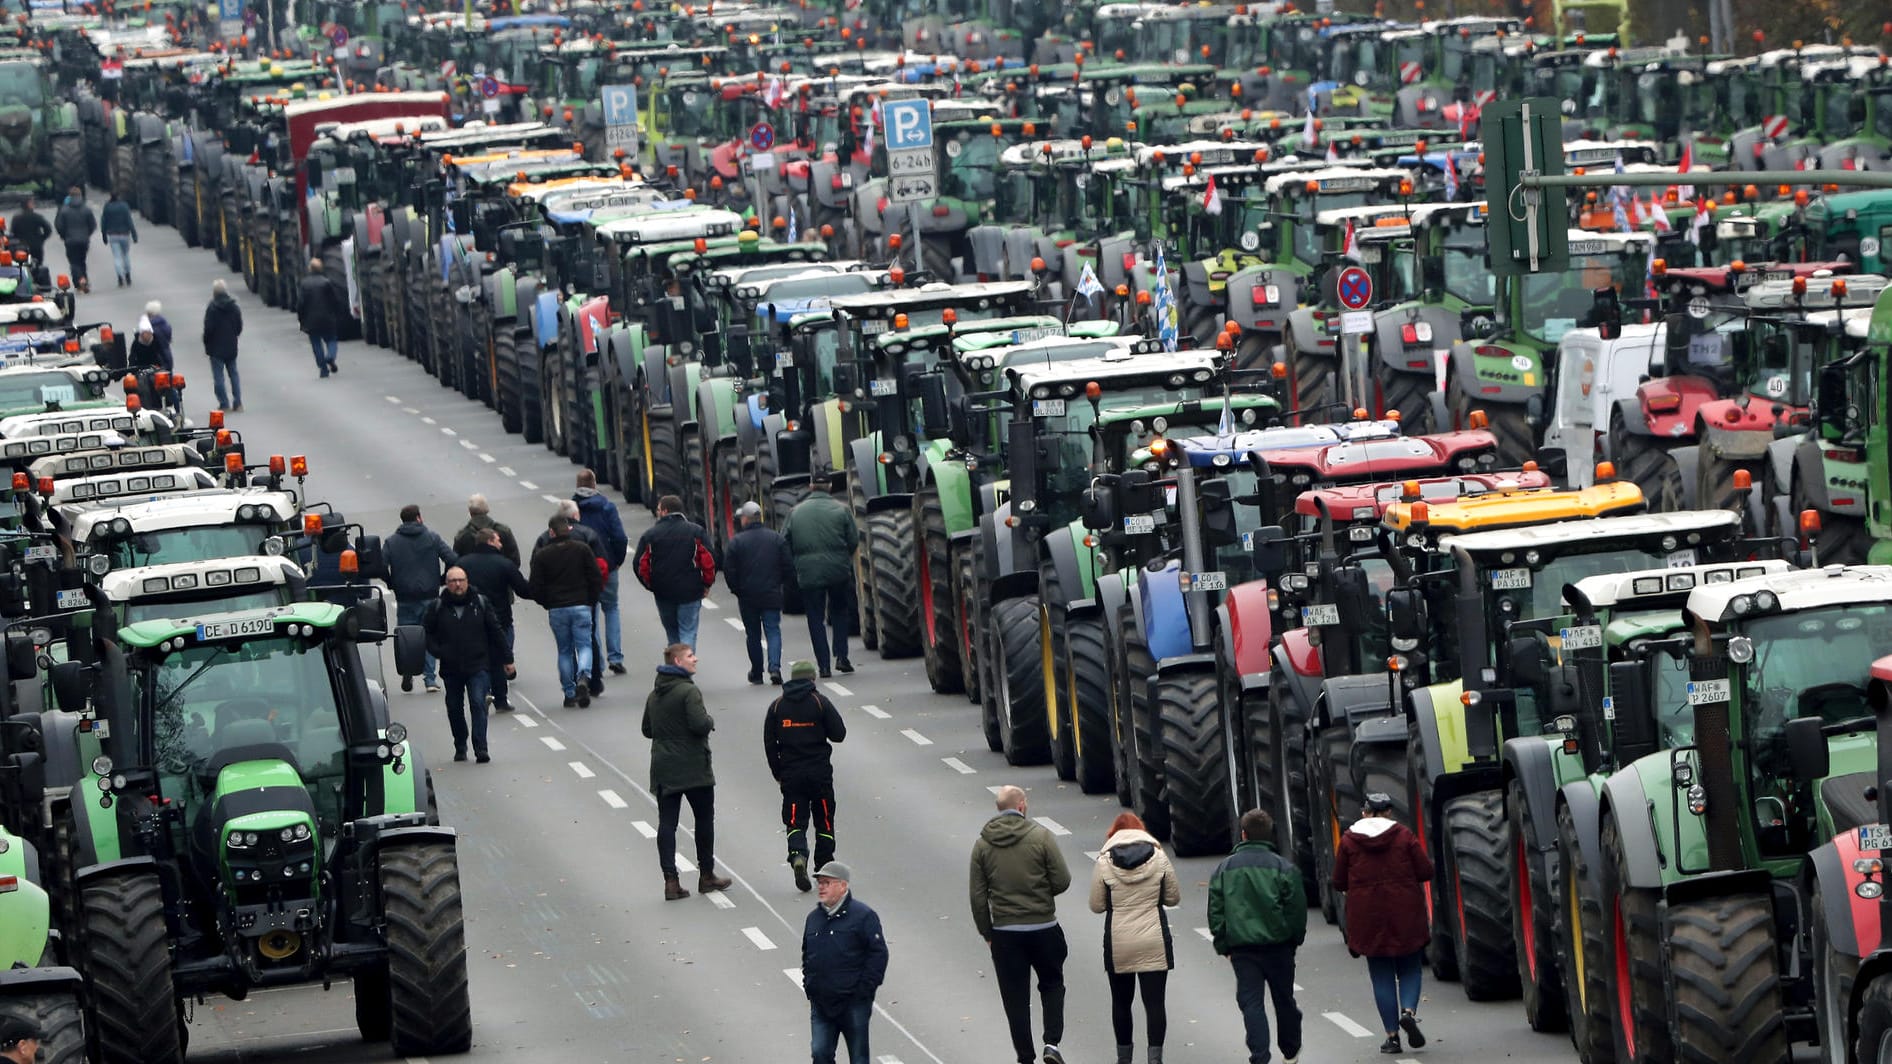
(489, 93)
(910, 173)
(620, 118)
(1354, 290)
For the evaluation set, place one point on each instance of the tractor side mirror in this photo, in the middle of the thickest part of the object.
(22, 657)
(1634, 728)
(1218, 513)
(1139, 495)
(1606, 313)
(1806, 748)
(72, 686)
(1530, 661)
(935, 410)
(369, 557)
(1406, 614)
(1099, 505)
(1353, 598)
(847, 379)
(1270, 550)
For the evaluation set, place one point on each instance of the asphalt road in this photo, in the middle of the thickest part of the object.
(574, 954)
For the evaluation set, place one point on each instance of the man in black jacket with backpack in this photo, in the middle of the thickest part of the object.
(798, 737)
(756, 564)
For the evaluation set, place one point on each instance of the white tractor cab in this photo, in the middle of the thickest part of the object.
(129, 422)
(1593, 375)
(148, 484)
(44, 334)
(32, 386)
(190, 527)
(183, 589)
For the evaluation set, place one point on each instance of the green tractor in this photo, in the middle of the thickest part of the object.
(34, 985)
(41, 147)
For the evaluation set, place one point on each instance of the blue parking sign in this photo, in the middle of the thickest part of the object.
(908, 124)
(620, 105)
(230, 10)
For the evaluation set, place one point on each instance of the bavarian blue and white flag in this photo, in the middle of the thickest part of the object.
(1163, 305)
(793, 229)
(1088, 285)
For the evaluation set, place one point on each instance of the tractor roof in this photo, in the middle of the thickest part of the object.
(115, 459)
(1368, 502)
(1653, 588)
(1805, 589)
(1196, 367)
(115, 485)
(1337, 178)
(263, 570)
(218, 507)
(1682, 523)
(935, 293)
(35, 446)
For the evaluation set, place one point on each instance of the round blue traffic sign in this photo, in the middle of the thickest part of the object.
(1355, 288)
(489, 86)
(762, 137)
(339, 36)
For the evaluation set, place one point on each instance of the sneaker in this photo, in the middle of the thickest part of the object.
(407, 685)
(617, 668)
(584, 699)
(1053, 1055)
(799, 863)
(571, 703)
(597, 686)
(755, 678)
(459, 755)
(775, 677)
(1391, 1045)
(845, 666)
(433, 688)
(333, 368)
(502, 706)
(1295, 1059)
(1409, 1023)
(482, 757)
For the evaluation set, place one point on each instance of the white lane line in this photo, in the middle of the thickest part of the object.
(755, 935)
(1207, 935)
(469, 445)
(611, 799)
(583, 770)
(551, 742)
(684, 865)
(525, 721)
(644, 829)
(888, 1059)
(959, 766)
(710, 604)
(876, 712)
(1093, 854)
(409, 410)
(484, 457)
(528, 485)
(1405, 1060)
(721, 899)
(733, 622)
(445, 431)
(1340, 1020)
(1052, 826)
(428, 421)
(507, 471)
(553, 499)
(996, 788)
(794, 975)
(918, 739)
(395, 399)
(838, 689)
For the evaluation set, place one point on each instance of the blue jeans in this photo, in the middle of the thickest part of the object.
(571, 630)
(219, 367)
(679, 620)
(120, 243)
(822, 603)
(613, 632)
(463, 695)
(324, 347)
(1262, 972)
(1396, 985)
(829, 1030)
(758, 624)
(406, 612)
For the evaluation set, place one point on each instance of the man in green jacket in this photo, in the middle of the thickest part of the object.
(1257, 918)
(821, 534)
(678, 728)
(1017, 874)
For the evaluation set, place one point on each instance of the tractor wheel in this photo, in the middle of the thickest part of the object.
(1196, 773)
(1578, 925)
(126, 958)
(449, 365)
(427, 989)
(1714, 484)
(938, 262)
(694, 503)
(782, 499)
(552, 398)
(68, 164)
(58, 1018)
(1118, 678)
(1020, 693)
(1087, 683)
(1441, 948)
(125, 172)
(1254, 351)
(374, 1009)
(1315, 386)
(1057, 709)
(1873, 1026)
(1475, 856)
(1517, 441)
(184, 206)
(1143, 753)
(1411, 395)
(506, 358)
(662, 476)
(939, 620)
(1531, 930)
(1332, 801)
(1727, 981)
(1645, 462)
(971, 648)
(1633, 960)
(531, 388)
(867, 623)
(889, 536)
(1842, 540)
(1280, 753)
(1201, 325)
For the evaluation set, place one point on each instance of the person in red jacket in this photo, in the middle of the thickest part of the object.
(1382, 867)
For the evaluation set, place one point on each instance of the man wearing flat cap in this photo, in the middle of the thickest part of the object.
(19, 1037)
(798, 736)
(843, 962)
(756, 565)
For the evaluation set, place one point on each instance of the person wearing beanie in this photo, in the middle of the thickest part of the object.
(843, 963)
(756, 565)
(19, 1037)
(798, 736)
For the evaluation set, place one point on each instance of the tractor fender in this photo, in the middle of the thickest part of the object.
(49, 979)
(1111, 595)
(1528, 761)
(1309, 334)
(1393, 353)
(1741, 154)
(987, 243)
(1302, 689)
(1627, 804)
(653, 375)
(1165, 620)
(683, 379)
(1687, 462)
(821, 175)
(1356, 701)
(866, 210)
(624, 345)
(1190, 662)
(1635, 422)
(1809, 472)
(1196, 283)
(1245, 634)
(1067, 572)
(1426, 732)
(825, 444)
(1580, 797)
(749, 426)
(1265, 316)
(1111, 248)
(1518, 362)
(502, 291)
(1852, 923)
(59, 748)
(866, 471)
(545, 319)
(1009, 572)
(127, 865)
(1735, 444)
(716, 409)
(1781, 455)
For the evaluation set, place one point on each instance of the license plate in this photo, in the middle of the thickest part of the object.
(1209, 581)
(42, 552)
(236, 629)
(1360, 534)
(873, 327)
(71, 599)
(1025, 336)
(1681, 559)
(883, 387)
(784, 361)
(1510, 579)
(1875, 837)
(1047, 408)
(1707, 692)
(1318, 616)
(1582, 637)
(1139, 524)
(1609, 708)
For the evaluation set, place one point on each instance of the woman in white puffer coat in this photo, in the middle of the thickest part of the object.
(1131, 883)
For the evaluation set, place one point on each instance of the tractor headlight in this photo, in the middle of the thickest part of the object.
(1697, 799)
(273, 546)
(1869, 890)
(98, 564)
(397, 732)
(101, 765)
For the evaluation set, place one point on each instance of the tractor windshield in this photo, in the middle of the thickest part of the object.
(19, 86)
(1554, 303)
(1577, 561)
(1812, 663)
(20, 391)
(188, 545)
(1784, 357)
(220, 696)
(972, 167)
(1467, 276)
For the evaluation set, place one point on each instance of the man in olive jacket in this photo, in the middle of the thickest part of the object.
(678, 727)
(1017, 874)
(1257, 917)
(821, 534)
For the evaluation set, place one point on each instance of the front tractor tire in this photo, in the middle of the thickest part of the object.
(1476, 856)
(1016, 666)
(429, 1007)
(1726, 976)
(1196, 775)
(889, 536)
(126, 958)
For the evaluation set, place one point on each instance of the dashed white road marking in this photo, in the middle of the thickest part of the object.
(395, 399)
(525, 721)
(526, 484)
(996, 788)
(445, 431)
(583, 770)
(710, 604)
(838, 689)
(428, 421)
(794, 975)
(553, 499)
(685, 865)
(877, 713)
(484, 457)
(507, 471)
(611, 799)
(1093, 854)
(644, 829)
(959, 766)
(918, 739)
(1052, 826)
(755, 935)
(721, 899)
(733, 622)
(469, 445)
(409, 410)
(551, 742)
(1340, 1020)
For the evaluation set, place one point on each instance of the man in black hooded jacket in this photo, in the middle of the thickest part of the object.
(797, 738)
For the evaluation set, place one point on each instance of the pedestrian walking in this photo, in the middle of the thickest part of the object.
(19, 1037)
(223, 323)
(495, 576)
(798, 736)
(320, 307)
(565, 581)
(479, 517)
(583, 534)
(417, 561)
(31, 229)
(75, 224)
(1017, 874)
(1382, 868)
(1257, 919)
(843, 963)
(120, 230)
(601, 516)
(822, 536)
(1130, 884)
(678, 727)
(463, 632)
(675, 564)
(756, 564)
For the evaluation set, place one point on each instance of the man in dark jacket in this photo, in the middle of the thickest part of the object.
(494, 575)
(416, 557)
(31, 229)
(583, 534)
(601, 516)
(321, 306)
(75, 225)
(1257, 918)
(223, 323)
(798, 737)
(822, 534)
(464, 633)
(120, 231)
(1382, 868)
(755, 564)
(678, 727)
(479, 516)
(674, 562)
(1017, 874)
(565, 582)
(843, 962)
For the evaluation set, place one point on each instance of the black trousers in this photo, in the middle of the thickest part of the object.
(75, 261)
(1015, 956)
(801, 807)
(1263, 972)
(703, 811)
(1123, 995)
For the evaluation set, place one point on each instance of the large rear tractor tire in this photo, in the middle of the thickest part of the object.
(1728, 1004)
(1315, 387)
(126, 958)
(1057, 706)
(1531, 904)
(427, 984)
(1475, 856)
(1633, 957)
(68, 164)
(1873, 1040)
(1333, 803)
(1196, 775)
(1517, 440)
(1411, 395)
(1016, 662)
(971, 646)
(889, 535)
(1645, 462)
(1087, 687)
(867, 623)
(1579, 927)
(939, 633)
(1142, 738)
